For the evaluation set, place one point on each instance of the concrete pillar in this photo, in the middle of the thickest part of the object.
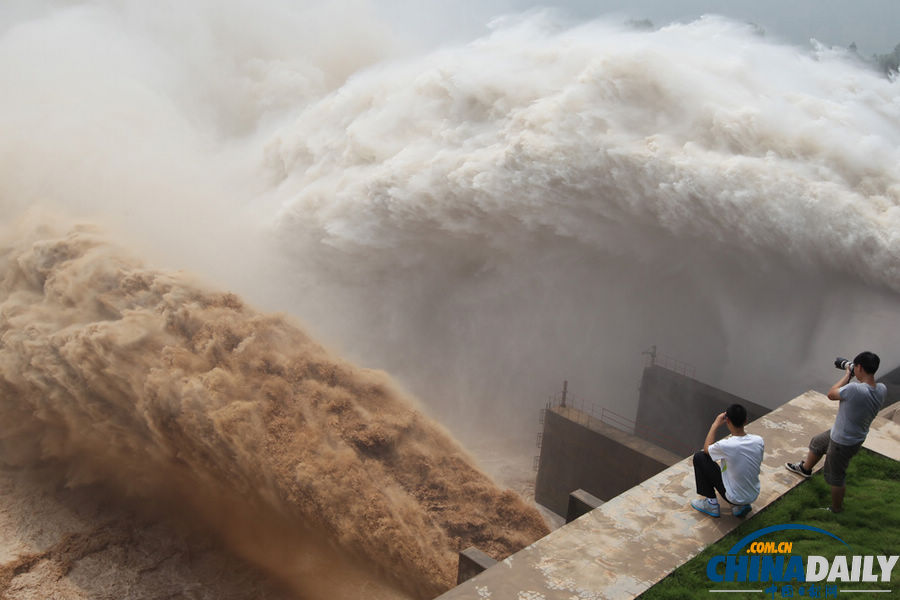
(472, 561)
(581, 502)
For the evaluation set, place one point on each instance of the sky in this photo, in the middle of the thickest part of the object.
(871, 24)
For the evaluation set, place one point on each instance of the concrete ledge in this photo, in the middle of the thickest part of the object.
(622, 548)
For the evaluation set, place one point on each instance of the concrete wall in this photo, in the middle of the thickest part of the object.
(892, 380)
(675, 411)
(592, 456)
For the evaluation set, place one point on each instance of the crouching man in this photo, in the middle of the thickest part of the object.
(741, 455)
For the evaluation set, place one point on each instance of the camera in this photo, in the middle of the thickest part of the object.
(843, 364)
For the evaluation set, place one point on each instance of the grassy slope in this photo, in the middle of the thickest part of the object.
(870, 524)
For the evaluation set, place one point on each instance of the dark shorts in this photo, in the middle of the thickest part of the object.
(837, 457)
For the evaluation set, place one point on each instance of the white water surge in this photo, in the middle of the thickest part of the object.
(546, 203)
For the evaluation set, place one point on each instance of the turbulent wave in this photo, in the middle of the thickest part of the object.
(549, 199)
(482, 219)
(315, 469)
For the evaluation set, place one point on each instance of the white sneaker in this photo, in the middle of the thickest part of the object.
(705, 506)
(740, 510)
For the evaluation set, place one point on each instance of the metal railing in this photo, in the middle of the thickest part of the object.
(668, 362)
(588, 413)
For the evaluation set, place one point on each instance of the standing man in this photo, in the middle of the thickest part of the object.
(859, 402)
(737, 480)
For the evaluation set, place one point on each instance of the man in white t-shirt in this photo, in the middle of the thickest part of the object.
(737, 479)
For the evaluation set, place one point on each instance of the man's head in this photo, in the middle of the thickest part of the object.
(867, 361)
(736, 415)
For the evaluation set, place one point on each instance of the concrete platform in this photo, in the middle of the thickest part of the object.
(622, 548)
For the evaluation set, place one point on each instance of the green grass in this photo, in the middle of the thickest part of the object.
(869, 523)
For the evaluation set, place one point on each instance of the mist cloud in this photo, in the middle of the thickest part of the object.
(482, 219)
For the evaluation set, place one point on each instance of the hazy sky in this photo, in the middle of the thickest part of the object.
(872, 24)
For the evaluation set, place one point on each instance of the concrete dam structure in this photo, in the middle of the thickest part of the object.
(630, 543)
(605, 454)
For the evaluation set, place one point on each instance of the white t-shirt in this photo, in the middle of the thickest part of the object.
(741, 458)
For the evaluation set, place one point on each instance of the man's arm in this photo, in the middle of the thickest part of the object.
(711, 436)
(835, 392)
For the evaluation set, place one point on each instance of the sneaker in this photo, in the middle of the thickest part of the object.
(797, 468)
(705, 506)
(740, 510)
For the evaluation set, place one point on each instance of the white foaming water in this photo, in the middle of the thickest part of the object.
(487, 220)
(544, 204)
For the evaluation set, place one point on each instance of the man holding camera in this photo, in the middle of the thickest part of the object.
(737, 480)
(859, 402)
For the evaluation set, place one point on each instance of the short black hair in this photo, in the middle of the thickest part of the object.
(737, 415)
(869, 361)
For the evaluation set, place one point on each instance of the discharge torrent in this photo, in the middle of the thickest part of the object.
(480, 219)
(131, 375)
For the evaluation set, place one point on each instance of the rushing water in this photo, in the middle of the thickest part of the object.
(480, 220)
(314, 469)
(547, 203)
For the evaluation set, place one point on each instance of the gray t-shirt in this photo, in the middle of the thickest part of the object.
(859, 404)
